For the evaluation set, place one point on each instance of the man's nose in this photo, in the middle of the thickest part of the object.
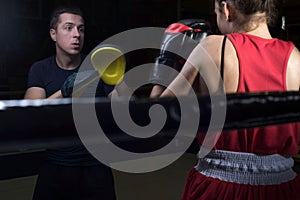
(76, 32)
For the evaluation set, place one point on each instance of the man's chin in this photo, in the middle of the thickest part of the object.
(75, 52)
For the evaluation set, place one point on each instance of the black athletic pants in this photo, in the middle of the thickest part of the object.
(56, 182)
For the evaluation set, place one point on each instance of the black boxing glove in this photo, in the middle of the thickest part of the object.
(83, 79)
(178, 42)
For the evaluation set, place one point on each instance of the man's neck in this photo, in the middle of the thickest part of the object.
(68, 62)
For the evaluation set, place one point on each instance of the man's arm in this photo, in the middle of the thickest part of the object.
(56, 95)
(35, 93)
(39, 93)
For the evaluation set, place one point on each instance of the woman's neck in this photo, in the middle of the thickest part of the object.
(261, 30)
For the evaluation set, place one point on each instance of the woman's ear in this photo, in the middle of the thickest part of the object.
(53, 34)
(227, 11)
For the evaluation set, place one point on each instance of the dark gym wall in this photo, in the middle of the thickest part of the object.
(24, 35)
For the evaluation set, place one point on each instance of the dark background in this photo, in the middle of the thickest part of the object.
(24, 35)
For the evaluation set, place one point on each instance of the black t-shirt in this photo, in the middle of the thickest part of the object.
(48, 75)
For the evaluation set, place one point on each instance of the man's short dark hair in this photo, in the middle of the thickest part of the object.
(73, 9)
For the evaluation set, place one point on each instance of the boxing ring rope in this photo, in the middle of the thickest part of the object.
(35, 124)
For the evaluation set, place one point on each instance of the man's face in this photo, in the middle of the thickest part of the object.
(69, 34)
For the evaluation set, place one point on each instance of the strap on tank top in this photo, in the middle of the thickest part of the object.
(222, 57)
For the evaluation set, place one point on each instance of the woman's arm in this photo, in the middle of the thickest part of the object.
(293, 71)
(202, 60)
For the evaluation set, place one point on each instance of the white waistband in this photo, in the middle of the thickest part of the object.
(247, 168)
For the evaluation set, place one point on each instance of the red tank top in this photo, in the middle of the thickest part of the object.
(262, 67)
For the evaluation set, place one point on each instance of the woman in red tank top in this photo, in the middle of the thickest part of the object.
(251, 163)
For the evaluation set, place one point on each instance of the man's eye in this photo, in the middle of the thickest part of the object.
(68, 28)
(81, 29)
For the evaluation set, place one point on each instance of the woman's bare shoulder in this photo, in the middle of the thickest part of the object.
(210, 46)
(212, 39)
(212, 43)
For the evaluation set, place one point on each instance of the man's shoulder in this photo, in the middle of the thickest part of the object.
(44, 61)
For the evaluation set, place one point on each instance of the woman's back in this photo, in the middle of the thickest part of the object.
(262, 62)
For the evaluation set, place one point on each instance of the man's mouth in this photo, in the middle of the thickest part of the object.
(76, 45)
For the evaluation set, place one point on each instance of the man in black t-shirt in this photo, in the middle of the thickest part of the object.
(69, 172)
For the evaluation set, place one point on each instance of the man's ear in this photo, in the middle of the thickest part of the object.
(227, 11)
(53, 34)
